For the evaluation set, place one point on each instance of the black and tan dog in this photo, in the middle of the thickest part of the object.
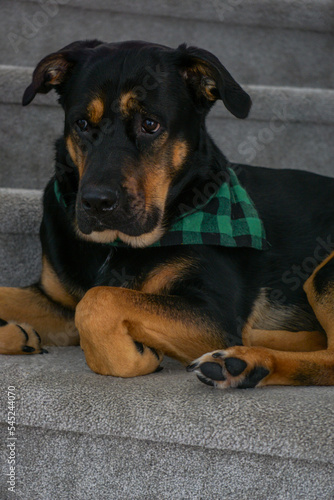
(134, 155)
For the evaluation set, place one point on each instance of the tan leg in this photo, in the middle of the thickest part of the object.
(282, 340)
(110, 321)
(243, 366)
(33, 321)
(37, 316)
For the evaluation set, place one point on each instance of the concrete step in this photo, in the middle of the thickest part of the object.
(81, 436)
(290, 14)
(287, 127)
(260, 42)
(20, 250)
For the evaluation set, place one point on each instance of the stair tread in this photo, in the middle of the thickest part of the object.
(126, 415)
(290, 14)
(20, 211)
(297, 103)
(254, 53)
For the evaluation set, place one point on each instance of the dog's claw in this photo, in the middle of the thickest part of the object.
(205, 380)
(27, 348)
(192, 367)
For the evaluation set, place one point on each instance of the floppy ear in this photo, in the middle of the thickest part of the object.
(209, 80)
(54, 68)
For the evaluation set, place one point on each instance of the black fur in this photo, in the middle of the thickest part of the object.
(324, 279)
(224, 283)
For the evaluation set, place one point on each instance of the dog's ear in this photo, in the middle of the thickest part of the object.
(209, 80)
(53, 70)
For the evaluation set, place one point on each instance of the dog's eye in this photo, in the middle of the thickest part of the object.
(82, 124)
(150, 126)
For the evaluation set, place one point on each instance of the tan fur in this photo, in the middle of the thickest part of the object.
(12, 339)
(312, 364)
(268, 316)
(108, 236)
(285, 368)
(95, 110)
(78, 157)
(163, 277)
(206, 83)
(180, 151)
(283, 340)
(108, 317)
(149, 190)
(56, 67)
(323, 305)
(25, 305)
(54, 288)
(128, 102)
(156, 188)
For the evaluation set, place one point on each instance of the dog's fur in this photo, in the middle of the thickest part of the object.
(135, 150)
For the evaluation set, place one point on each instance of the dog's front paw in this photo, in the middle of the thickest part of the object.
(239, 366)
(19, 339)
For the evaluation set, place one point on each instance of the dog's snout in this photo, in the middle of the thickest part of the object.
(99, 200)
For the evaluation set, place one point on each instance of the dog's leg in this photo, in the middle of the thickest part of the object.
(36, 316)
(30, 320)
(244, 367)
(125, 332)
(283, 340)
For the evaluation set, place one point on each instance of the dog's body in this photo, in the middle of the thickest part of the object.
(135, 302)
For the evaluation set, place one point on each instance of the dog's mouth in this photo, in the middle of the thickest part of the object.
(137, 229)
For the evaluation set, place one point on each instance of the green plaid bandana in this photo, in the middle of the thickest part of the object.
(228, 218)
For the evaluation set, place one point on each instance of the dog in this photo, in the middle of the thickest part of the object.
(154, 244)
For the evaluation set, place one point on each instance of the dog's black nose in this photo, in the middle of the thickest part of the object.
(97, 200)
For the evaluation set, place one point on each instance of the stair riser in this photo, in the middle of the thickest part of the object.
(277, 144)
(20, 259)
(254, 54)
(28, 137)
(293, 14)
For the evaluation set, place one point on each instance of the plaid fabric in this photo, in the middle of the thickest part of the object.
(228, 218)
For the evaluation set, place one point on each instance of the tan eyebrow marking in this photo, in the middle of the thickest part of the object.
(127, 102)
(95, 110)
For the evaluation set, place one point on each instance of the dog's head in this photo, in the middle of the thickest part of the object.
(134, 115)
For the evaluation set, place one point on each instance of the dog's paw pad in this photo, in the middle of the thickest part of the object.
(253, 377)
(212, 370)
(240, 367)
(235, 366)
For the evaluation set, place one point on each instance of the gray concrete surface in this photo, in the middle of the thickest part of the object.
(256, 54)
(290, 14)
(20, 249)
(84, 436)
(288, 127)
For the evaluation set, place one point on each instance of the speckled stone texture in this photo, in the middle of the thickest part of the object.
(164, 435)
(281, 50)
(20, 249)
